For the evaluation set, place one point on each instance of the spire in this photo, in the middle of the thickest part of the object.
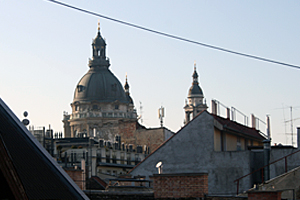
(98, 25)
(126, 86)
(195, 75)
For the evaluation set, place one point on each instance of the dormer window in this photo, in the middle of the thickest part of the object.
(117, 107)
(80, 88)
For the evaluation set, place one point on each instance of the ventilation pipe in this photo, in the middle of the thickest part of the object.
(159, 167)
(268, 128)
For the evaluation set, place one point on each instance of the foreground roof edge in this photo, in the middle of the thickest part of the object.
(41, 149)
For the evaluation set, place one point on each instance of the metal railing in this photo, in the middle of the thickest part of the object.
(262, 169)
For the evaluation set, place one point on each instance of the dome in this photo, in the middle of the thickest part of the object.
(195, 90)
(99, 84)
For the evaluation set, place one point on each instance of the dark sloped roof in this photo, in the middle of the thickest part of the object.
(238, 128)
(99, 84)
(40, 175)
(195, 90)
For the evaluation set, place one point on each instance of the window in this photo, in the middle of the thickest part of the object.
(80, 88)
(107, 157)
(114, 158)
(137, 159)
(238, 144)
(122, 157)
(98, 155)
(76, 108)
(223, 141)
(95, 107)
(116, 106)
(128, 160)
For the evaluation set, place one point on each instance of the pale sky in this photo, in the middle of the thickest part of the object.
(44, 51)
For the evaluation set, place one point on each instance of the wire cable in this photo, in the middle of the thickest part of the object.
(177, 37)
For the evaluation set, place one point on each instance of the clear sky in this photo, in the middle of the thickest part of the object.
(44, 51)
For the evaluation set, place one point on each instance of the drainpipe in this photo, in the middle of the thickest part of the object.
(267, 150)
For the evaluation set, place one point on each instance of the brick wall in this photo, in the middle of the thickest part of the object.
(180, 185)
(77, 176)
(264, 195)
(131, 134)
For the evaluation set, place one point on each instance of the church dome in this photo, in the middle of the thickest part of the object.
(99, 84)
(195, 90)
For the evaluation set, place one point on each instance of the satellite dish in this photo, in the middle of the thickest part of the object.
(25, 122)
(158, 164)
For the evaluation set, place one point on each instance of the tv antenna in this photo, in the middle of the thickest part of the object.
(291, 120)
(141, 112)
(292, 124)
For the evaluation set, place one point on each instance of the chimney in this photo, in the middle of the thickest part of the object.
(228, 113)
(253, 120)
(214, 107)
(267, 150)
(268, 128)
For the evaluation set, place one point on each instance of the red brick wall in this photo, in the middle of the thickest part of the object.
(180, 185)
(150, 137)
(264, 195)
(77, 176)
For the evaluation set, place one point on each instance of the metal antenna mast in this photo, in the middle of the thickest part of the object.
(141, 112)
(292, 125)
(161, 115)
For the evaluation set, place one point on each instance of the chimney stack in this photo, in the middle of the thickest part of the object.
(214, 107)
(253, 120)
(228, 113)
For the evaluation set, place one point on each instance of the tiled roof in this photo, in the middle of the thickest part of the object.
(238, 128)
(40, 175)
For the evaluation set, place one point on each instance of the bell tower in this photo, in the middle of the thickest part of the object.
(194, 105)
